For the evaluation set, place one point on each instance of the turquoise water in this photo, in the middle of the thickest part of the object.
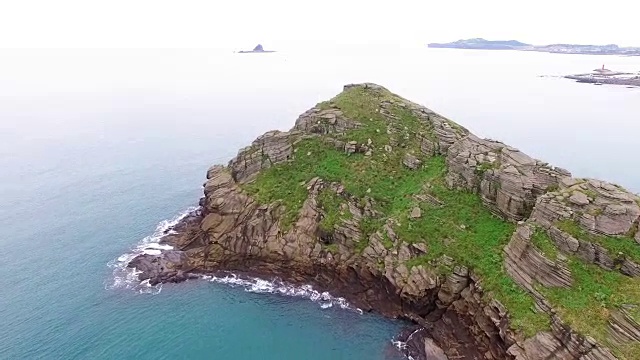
(97, 147)
(70, 208)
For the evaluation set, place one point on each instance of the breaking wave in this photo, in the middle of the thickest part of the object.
(402, 345)
(257, 285)
(125, 277)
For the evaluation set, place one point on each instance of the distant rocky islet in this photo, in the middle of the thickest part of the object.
(257, 49)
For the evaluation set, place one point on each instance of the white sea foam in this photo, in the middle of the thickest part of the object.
(402, 345)
(126, 277)
(257, 285)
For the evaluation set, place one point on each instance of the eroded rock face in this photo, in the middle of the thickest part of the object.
(595, 207)
(275, 147)
(527, 265)
(623, 327)
(508, 180)
(269, 149)
(599, 207)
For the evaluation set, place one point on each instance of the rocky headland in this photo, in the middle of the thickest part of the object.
(491, 253)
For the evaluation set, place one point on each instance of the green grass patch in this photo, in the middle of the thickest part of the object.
(587, 304)
(552, 187)
(286, 182)
(614, 244)
(332, 248)
(483, 167)
(386, 241)
(590, 193)
(331, 204)
(543, 242)
(325, 105)
(634, 312)
(467, 231)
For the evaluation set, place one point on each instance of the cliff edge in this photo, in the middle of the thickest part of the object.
(494, 254)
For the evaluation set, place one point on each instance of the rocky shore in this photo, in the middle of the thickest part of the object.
(587, 78)
(404, 212)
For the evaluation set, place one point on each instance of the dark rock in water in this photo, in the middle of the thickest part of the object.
(169, 266)
(172, 265)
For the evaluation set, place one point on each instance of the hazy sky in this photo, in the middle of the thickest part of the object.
(242, 23)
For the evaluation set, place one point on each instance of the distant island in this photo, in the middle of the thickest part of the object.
(482, 44)
(257, 49)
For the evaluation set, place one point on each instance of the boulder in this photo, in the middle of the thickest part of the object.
(411, 162)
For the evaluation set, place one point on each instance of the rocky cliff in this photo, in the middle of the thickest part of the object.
(495, 255)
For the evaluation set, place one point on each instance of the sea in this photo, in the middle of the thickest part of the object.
(103, 149)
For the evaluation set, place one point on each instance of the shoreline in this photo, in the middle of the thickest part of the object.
(414, 341)
(170, 266)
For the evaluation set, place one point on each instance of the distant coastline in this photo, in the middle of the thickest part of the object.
(482, 44)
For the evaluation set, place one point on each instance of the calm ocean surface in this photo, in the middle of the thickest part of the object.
(98, 146)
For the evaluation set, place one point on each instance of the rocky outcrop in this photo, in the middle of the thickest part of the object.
(599, 207)
(379, 270)
(624, 328)
(560, 343)
(411, 161)
(507, 180)
(528, 266)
